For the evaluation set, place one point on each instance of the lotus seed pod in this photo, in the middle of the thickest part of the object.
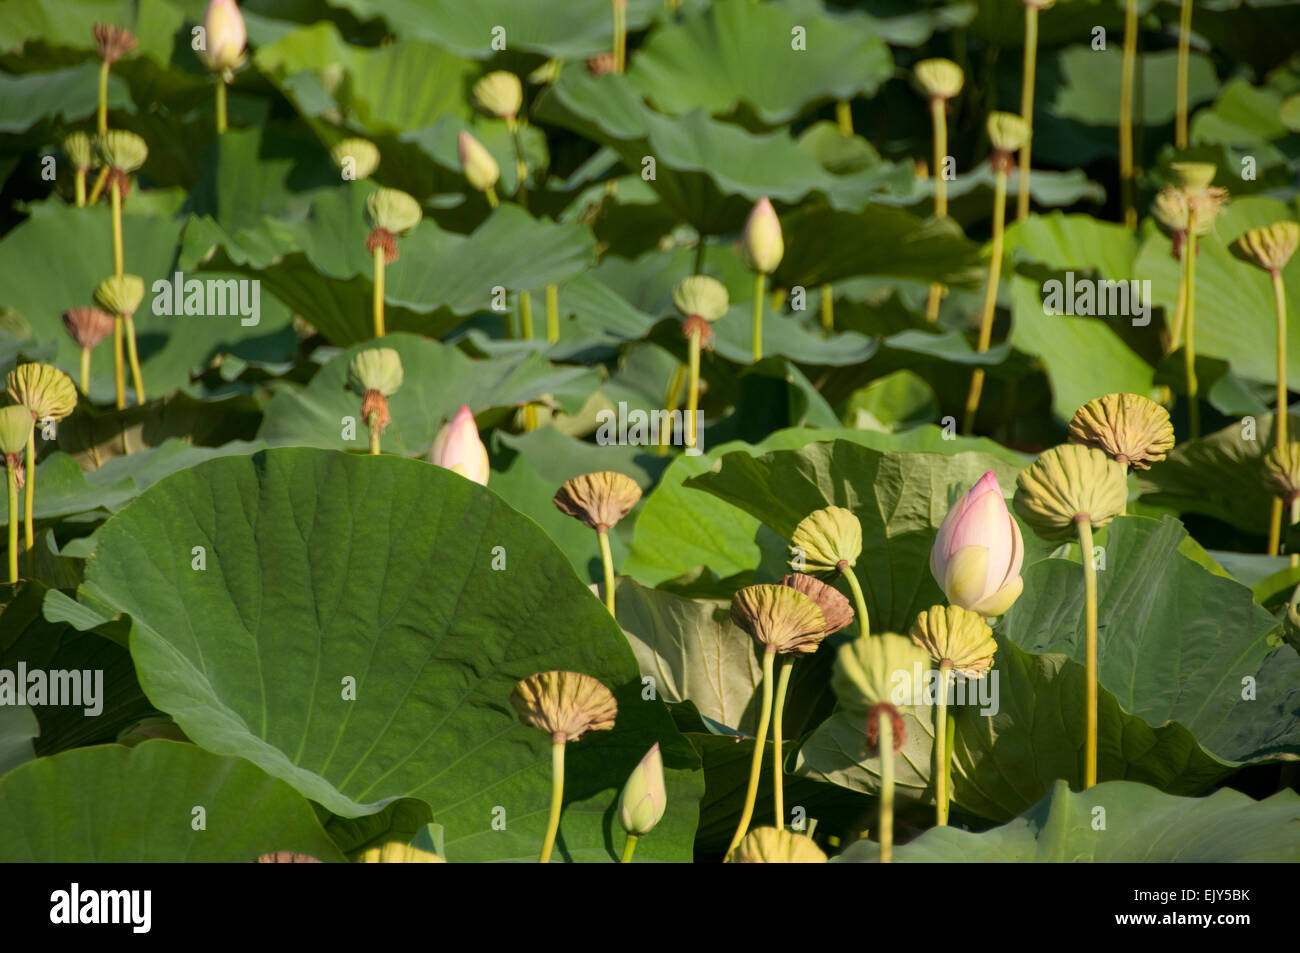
(762, 244)
(225, 36)
(767, 845)
(879, 669)
(779, 617)
(565, 705)
(1129, 428)
(396, 852)
(43, 389)
(1007, 131)
(951, 634)
(361, 156)
(375, 368)
(1271, 246)
(393, 210)
(940, 78)
(644, 798)
(79, 150)
(824, 539)
(1289, 112)
(1170, 209)
(480, 169)
(701, 296)
(835, 607)
(1067, 484)
(88, 326)
(598, 500)
(120, 294)
(1282, 470)
(15, 427)
(113, 42)
(1194, 176)
(499, 93)
(123, 150)
(1203, 207)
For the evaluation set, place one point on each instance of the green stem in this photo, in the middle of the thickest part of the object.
(526, 322)
(552, 313)
(939, 122)
(760, 284)
(1294, 559)
(115, 196)
(378, 300)
(1027, 108)
(886, 736)
(85, 371)
(521, 167)
(778, 769)
(119, 370)
(81, 188)
(828, 309)
(13, 523)
(990, 297)
(859, 601)
(557, 798)
(375, 439)
(620, 36)
(756, 763)
(672, 400)
(844, 117)
(1090, 649)
(693, 387)
(1279, 301)
(133, 356)
(1189, 343)
(29, 493)
(221, 106)
(1184, 49)
(628, 847)
(492, 199)
(101, 116)
(1275, 526)
(1128, 67)
(607, 559)
(100, 179)
(940, 769)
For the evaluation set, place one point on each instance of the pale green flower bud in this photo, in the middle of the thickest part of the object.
(480, 168)
(499, 93)
(358, 157)
(762, 244)
(645, 798)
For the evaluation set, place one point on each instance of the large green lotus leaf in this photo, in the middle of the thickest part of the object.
(1246, 117)
(736, 52)
(970, 194)
(380, 570)
(118, 805)
(1234, 299)
(1177, 642)
(899, 498)
(18, 729)
(1141, 825)
(70, 94)
(1089, 85)
(1219, 475)
(1002, 23)
(437, 380)
(680, 529)
(790, 335)
(1085, 357)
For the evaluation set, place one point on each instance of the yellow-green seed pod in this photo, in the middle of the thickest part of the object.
(376, 368)
(1007, 131)
(1070, 482)
(780, 617)
(1272, 246)
(15, 427)
(878, 670)
(123, 150)
(960, 637)
(396, 852)
(79, 150)
(1129, 428)
(120, 294)
(767, 845)
(702, 296)
(393, 210)
(598, 500)
(1282, 470)
(1194, 176)
(940, 78)
(358, 158)
(1170, 209)
(44, 390)
(478, 165)
(499, 93)
(565, 705)
(825, 538)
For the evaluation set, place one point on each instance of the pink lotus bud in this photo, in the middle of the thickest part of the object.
(459, 449)
(224, 35)
(977, 555)
(762, 244)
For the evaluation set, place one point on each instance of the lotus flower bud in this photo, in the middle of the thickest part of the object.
(225, 36)
(824, 539)
(459, 449)
(499, 93)
(644, 799)
(79, 150)
(781, 618)
(565, 705)
(123, 150)
(396, 852)
(113, 42)
(598, 500)
(43, 389)
(977, 554)
(1007, 131)
(15, 427)
(358, 157)
(393, 210)
(1282, 470)
(88, 326)
(1129, 428)
(767, 845)
(762, 244)
(481, 170)
(1067, 484)
(955, 638)
(1194, 176)
(1289, 112)
(701, 296)
(867, 671)
(120, 294)
(940, 78)
(835, 607)
(1271, 247)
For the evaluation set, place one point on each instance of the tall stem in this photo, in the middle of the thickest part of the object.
(756, 763)
(101, 115)
(1090, 648)
(1180, 309)
(221, 106)
(692, 388)
(526, 322)
(859, 602)
(1189, 343)
(521, 167)
(886, 735)
(492, 199)
(629, 846)
(119, 371)
(557, 798)
(85, 371)
(137, 378)
(29, 493)
(1275, 526)
(552, 314)
(990, 296)
(378, 301)
(1127, 69)
(940, 769)
(1184, 49)
(1280, 411)
(778, 770)
(760, 287)
(939, 122)
(844, 117)
(1027, 107)
(81, 188)
(115, 195)
(100, 179)
(13, 523)
(1294, 559)
(620, 36)
(375, 438)
(672, 400)
(607, 560)
(828, 309)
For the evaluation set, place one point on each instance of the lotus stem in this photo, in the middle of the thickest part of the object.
(886, 748)
(941, 747)
(1294, 559)
(85, 371)
(1027, 108)
(13, 522)
(379, 290)
(1189, 342)
(557, 799)
(137, 379)
(629, 846)
(1280, 413)
(29, 501)
(375, 438)
(115, 196)
(1180, 310)
(221, 106)
(760, 285)
(1275, 527)
(756, 763)
(620, 36)
(119, 370)
(492, 199)
(81, 188)
(859, 602)
(99, 185)
(844, 117)
(521, 167)
(552, 314)
(607, 560)
(693, 388)
(101, 115)
(672, 400)
(1127, 71)
(1084, 525)
(1184, 49)
(990, 297)
(939, 120)
(778, 771)
(526, 324)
